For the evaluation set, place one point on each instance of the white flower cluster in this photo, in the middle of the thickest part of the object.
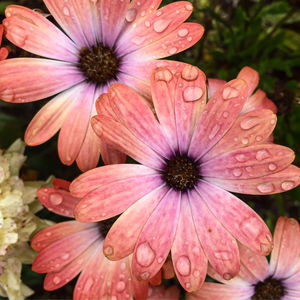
(18, 204)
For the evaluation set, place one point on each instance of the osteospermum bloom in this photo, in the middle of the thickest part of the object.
(258, 280)
(68, 248)
(3, 51)
(190, 153)
(108, 41)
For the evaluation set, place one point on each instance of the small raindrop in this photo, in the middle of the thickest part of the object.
(223, 255)
(262, 154)
(192, 93)
(265, 187)
(56, 280)
(187, 285)
(108, 250)
(183, 32)
(65, 256)
(144, 254)
(196, 273)
(225, 114)
(230, 92)
(173, 50)
(66, 11)
(56, 199)
(237, 172)
(164, 75)
(259, 138)
(272, 167)
(227, 276)
(144, 275)
(160, 260)
(147, 24)
(249, 122)
(287, 185)
(131, 15)
(161, 25)
(183, 266)
(120, 286)
(214, 131)
(189, 7)
(245, 141)
(190, 73)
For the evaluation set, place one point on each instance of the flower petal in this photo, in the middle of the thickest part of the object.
(251, 77)
(102, 203)
(34, 33)
(212, 124)
(213, 85)
(170, 44)
(279, 182)
(3, 53)
(156, 26)
(118, 136)
(75, 126)
(122, 237)
(95, 178)
(286, 248)
(58, 200)
(249, 129)
(155, 240)
(133, 112)
(257, 161)
(57, 232)
(237, 217)
(110, 155)
(60, 253)
(50, 117)
(218, 244)
(189, 260)
(190, 100)
(30, 79)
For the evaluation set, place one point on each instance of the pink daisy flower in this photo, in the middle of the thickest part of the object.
(107, 41)
(68, 248)
(3, 51)
(190, 153)
(258, 279)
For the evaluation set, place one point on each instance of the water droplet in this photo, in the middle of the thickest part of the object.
(251, 227)
(273, 121)
(158, 13)
(48, 233)
(225, 114)
(262, 154)
(56, 198)
(224, 255)
(287, 185)
(120, 286)
(187, 285)
(172, 50)
(65, 256)
(183, 32)
(131, 15)
(265, 187)
(272, 167)
(240, 157)
(108, 251)
(259, 138)
(56, 280)
(66, 11)
(237, 172)
(189, 7)
(227, 276)
(196, 273)
(245, 141)
(229, 93)
(249, 122)
(189, 39)
(144, 275)
(161, 25)
(144, 254)
(214, 131)
(123, 266)
(163, 75)
(196, 250)
(138, 40)
(250, 259)
(160, 260)
(183, 265)
(265, 248)
(147, 24)
(190, 73)
(143, 13)
(192, 93)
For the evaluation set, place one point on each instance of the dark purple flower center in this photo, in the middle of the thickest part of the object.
(104, 226)
(181, 172)
(99, 64)
(270, 288)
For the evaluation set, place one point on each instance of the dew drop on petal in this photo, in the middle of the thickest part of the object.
(190, 73)
(192, 93)
(265, 248)
(138, 40)
(249, 122)
(245, 141)
(287, 185)
(189, 7)
(183, 32)
(259, 138)
(108, 250)
(250, 259)
(161, 25)
(196, 273)
(158, 13)
(131, 15)
(187, 285)
(123, 266)
(240, 157)
(144, 254)
(225, 114)
(272, 167)
(262, 154)
(147, 24)
(66, 11)
(214, 131)
(56, 280)
(120, 286)
(144, 275)
(48, 233)
(189, 39)
(183, 266)
(292, 221)
(65, 256)
(251, 227)
(160, 260)
(237, 172)
(56, 198)
(229, 93)
(227, 276)
(173, 50)
(164, 75)
(223, 255)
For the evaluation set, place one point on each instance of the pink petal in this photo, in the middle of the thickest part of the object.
(95, 178)
(286, 248)
(213, 85)
(118, 136)
(3, 53)
(110, 155)
(212, 124)
(58, 200)
(170, 44)
(102, 203)
(113, 14)
(57, 232)
(218, 244)
(258, 161)
(237, 217)
(251, 77)
(249, 129)
(218, 291)
(259, 100)
(155, 241)
(77, 19)
(34, 33)
(163, 86)
(75, 126)
(190, 100)
(160, 292)
(133, 112)
(122, 237)
(55, 280)
(190, 262)
(61, 183)
(60, 253)
(156, 26)
(51, 117)
(257, 265)
(279, 182)
(30, 79)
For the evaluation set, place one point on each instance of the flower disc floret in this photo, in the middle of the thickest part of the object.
(270, 288)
